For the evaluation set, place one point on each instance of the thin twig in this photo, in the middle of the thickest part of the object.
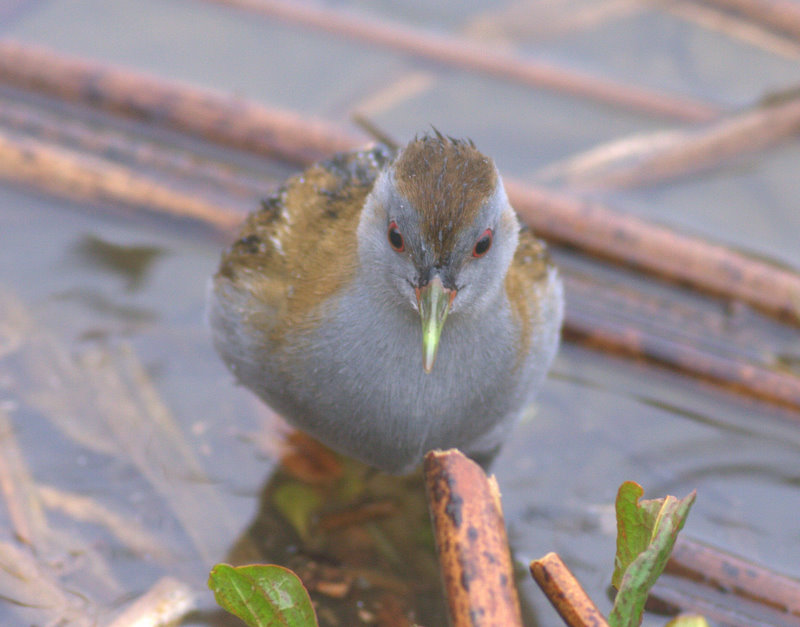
(113, 407)
(565, 593)
(392, 94)
(37, 594)
(782, 16)
(464, 54)
(373, 131)
(471, 542)
(546, 20)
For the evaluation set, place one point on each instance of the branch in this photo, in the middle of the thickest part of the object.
(565, 593)
(471, 542)
(81, 177)
(721, 570)
(224, 119)
(708, 267)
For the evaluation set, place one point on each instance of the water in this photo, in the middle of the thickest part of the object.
(102, 315)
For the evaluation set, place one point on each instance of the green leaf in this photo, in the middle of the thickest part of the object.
(635, 523)
(646, 533)
(297, 502)
(262, 595)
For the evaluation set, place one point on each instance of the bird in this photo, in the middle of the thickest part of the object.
(387, 302)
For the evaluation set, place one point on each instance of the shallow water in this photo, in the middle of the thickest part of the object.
(99, 307)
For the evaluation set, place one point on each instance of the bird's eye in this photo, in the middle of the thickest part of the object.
(483, 244)
(396, 240)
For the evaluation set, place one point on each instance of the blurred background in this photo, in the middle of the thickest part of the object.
(134, 135)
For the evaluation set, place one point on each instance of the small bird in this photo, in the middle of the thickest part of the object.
(388, 303)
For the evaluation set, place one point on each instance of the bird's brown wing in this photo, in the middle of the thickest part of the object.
(300, 248)
(527, 282)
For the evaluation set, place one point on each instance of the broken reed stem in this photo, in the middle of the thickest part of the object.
(471, 542)
(131, 149)
(224, 119)
(740, 134)
(597, 331)
(463, 54)
(782, 16)
(690, 560)
(565, 593)
(81, 177)
(597, 229)
(724, 571)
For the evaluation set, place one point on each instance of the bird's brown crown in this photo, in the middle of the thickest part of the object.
(447, 181)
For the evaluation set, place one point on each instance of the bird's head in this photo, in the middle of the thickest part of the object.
(438, 233)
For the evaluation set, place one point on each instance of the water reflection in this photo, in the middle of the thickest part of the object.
(131, 262)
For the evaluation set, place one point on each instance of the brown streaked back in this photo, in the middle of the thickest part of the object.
(301, 247)
(525, 277)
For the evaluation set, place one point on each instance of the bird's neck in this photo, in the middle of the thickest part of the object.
(381, 306)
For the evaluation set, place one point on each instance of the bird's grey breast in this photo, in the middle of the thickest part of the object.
(369, 392)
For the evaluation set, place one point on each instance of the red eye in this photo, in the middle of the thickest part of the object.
(483, 244)
(396, 240)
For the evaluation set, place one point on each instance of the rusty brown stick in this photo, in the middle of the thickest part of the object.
(722, 570)
(565, 593)
(202, 112)
(80, 177)
(712, 268)
(130, 148)
(782, 16)
(746, 378)
(471, 542)
(464, 54)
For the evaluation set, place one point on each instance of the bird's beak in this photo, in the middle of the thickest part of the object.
(434, 302)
